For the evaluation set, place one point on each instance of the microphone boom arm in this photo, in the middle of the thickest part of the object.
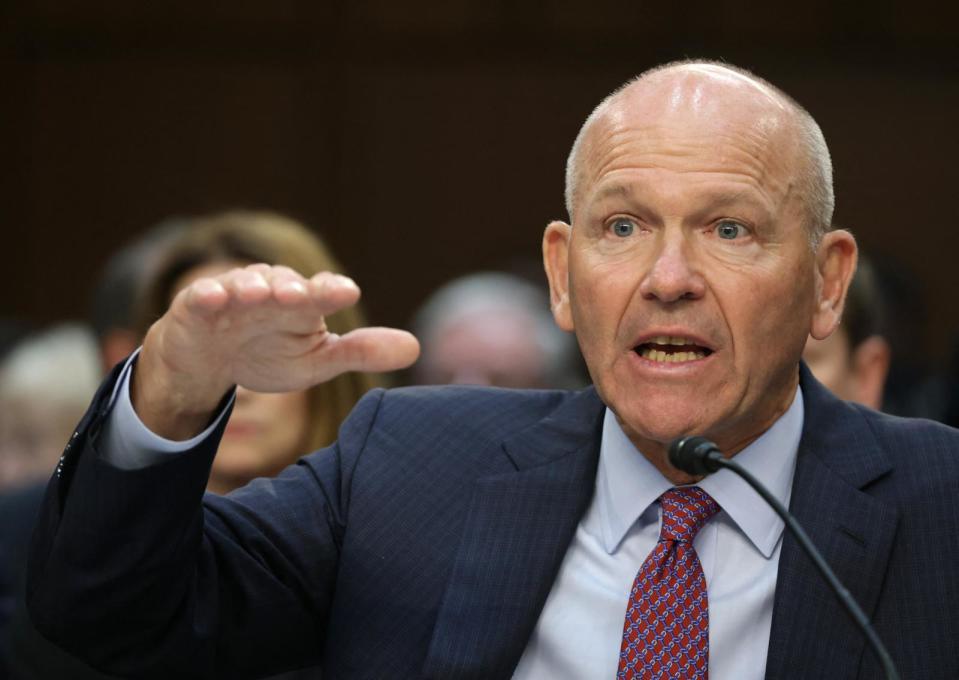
(850, 604)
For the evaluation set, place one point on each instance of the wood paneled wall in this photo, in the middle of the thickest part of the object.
(427, 139)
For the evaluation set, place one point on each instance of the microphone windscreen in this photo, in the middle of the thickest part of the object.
(691, 455)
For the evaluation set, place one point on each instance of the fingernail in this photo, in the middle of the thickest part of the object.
(206, 285)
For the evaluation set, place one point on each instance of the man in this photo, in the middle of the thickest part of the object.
(495, 329)
(478, 533)
(853, 362)
(45, 384)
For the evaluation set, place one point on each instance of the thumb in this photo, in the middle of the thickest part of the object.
(374, 349)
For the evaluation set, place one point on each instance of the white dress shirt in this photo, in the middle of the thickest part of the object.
(130, 445)
(580, 629)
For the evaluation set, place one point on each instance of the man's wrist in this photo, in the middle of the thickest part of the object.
(171, 407)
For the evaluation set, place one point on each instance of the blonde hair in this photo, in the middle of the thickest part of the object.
(256, 236)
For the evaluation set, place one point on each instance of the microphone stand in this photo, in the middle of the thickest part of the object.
(716, 459)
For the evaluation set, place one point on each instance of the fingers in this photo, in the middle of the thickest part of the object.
(286, 286)
(332, 292)
(208, 295)
(265, 286)
(204, 296)
(366, 349)
(264, 327)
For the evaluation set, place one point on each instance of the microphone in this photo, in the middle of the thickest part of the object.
(695, 455)
(698, 456)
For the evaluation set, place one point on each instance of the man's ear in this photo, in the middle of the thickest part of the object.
(556, 260)
(835, 265)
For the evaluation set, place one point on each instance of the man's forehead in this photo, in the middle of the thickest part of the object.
(713, 94)
(692, 107)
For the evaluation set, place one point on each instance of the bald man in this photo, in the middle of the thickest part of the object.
(482, 533)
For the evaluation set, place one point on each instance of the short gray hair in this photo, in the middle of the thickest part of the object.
(500, 292)
(815, 175)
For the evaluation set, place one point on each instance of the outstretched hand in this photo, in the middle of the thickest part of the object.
(262, 327)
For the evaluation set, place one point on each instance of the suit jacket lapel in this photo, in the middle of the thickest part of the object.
(519, 526)
(812, 636)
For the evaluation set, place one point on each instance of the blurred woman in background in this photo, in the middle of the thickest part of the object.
(266, 432)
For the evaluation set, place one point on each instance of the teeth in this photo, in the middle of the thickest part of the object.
(671, 358)
(670, 340)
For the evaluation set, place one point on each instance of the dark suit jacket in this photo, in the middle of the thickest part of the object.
(18, 508)
(424, 544)
(24, 654)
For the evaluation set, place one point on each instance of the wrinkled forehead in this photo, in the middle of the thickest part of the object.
(701, 108)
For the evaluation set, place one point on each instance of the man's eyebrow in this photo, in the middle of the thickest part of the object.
(728, 197)
(715, 199)
(615, 190)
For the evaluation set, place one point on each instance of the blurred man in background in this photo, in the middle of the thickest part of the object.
(45, 384)
(493, 328)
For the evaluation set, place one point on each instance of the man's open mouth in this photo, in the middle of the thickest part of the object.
(671, 349)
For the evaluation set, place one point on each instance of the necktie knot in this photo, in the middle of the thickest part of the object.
(685, 511)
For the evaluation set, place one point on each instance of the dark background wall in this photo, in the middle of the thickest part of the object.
(425, 139)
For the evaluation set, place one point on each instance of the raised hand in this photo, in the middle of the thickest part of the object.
(261, 327)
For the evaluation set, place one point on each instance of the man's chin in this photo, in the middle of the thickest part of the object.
(659, 413)
(657, 431)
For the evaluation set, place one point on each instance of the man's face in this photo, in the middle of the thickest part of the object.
(688, 275)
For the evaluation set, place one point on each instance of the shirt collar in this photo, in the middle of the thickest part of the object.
(627, 484)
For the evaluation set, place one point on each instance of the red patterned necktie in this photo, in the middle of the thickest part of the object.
(666, 633)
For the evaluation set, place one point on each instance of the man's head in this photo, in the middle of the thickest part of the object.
(115, 295)
(697, 260)
(492, 328)
(814, 173)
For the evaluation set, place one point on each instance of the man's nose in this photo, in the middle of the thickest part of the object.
(672, 275)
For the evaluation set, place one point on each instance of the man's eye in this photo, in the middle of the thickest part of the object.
(729, 230)
(623, 227)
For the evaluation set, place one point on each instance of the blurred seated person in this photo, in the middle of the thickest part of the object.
(266, 432)
(495, 329)
(113, 303)
(46, 381)
(854, 361)
(26, 655)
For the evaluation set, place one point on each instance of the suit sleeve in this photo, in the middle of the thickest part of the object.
(143, 576)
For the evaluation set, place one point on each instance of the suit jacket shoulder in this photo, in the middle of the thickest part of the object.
(876, 494)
